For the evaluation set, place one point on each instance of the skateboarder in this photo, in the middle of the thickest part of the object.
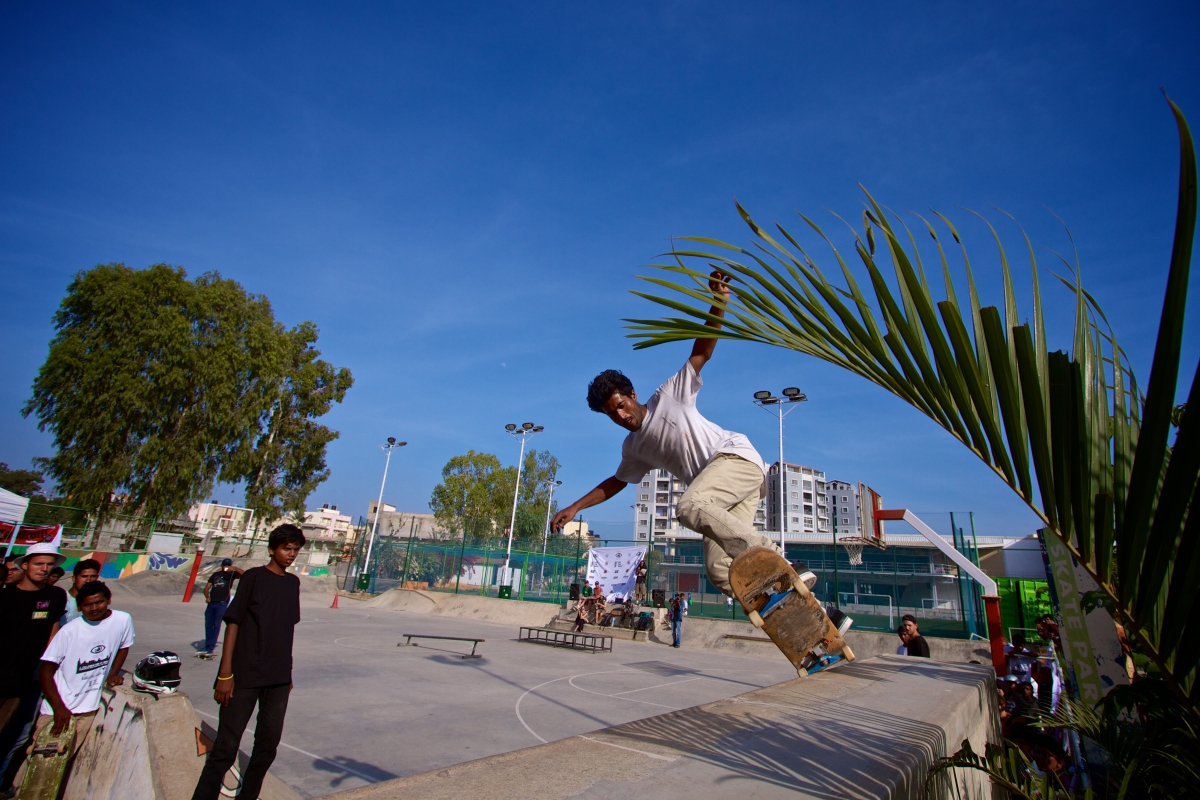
(726, 477)
(256, 666)
(85, 656)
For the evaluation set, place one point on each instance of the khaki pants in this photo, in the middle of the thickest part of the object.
(719, 505)
(83, 728)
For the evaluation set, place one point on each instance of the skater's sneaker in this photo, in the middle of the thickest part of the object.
(841, 620)
(809, 579)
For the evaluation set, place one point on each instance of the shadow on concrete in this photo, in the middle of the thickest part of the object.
(820, 752)
(344, 768)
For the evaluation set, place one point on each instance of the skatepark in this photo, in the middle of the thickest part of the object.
(370, 719)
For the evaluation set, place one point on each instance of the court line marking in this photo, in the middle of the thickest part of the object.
(330, 761)
(623, 747)
(659, 686)
(617, 697)
(517, 707)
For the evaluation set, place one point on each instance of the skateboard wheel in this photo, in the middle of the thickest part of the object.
(847, 653)
(800, 588)
(755, 619)
(802, 672)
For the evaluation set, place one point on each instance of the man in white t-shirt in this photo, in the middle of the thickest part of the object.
(83, 658)
(726, 476)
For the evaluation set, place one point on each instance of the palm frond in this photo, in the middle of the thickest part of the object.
(1106, 481)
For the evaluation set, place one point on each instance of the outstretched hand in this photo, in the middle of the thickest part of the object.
(719, 286)
(561, 518)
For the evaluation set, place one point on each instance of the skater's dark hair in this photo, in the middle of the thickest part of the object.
(59, 571)
(285, 534)
(89, 589)
(909, 618)
(604, 385)
(86, 563)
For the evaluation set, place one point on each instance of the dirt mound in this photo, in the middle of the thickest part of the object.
(159, 583)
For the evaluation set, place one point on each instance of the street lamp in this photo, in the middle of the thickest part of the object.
(524, 431)
(775, 405)
(551, 483)
(391, 445)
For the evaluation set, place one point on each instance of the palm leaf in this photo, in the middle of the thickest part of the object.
(1107, 483)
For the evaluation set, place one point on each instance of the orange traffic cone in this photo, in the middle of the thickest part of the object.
(335, 597)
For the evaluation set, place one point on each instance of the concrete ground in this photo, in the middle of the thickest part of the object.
(365, 710)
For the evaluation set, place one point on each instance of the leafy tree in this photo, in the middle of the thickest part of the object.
(286, 462)
(155, 386)
(472, 489)
(25, 482)
(477, 492)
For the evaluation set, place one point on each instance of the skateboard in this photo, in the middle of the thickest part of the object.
(776, 600)
(206, 656)
(48, 763)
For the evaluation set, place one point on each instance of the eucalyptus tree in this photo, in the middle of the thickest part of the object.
(156, 385)
(1072, 434)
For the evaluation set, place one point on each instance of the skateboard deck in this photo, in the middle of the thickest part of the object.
(48, 763)
(775, 600)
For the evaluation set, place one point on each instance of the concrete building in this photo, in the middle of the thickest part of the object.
(328, 532)
(401, 524)
(657, 496)
(807, 501)
(843, 508)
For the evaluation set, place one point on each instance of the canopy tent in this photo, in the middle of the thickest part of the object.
(12, 506)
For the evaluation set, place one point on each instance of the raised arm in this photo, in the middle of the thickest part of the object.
(702, 350)
(607, 488)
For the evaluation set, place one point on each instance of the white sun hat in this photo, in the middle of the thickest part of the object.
(42, 549)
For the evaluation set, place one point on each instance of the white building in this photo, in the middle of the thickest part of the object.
(327, 531)
(844, 508)
(807, 500)
(402, 524)
(657, 496)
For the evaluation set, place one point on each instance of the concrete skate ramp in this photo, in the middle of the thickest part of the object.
(143, 748)
(866, 730)
(466, 606)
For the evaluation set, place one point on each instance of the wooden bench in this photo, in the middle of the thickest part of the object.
(408, 641)
(592, 642)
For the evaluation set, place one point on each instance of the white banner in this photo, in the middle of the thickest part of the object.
(615, 568)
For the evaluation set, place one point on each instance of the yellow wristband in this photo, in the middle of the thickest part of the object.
(224, 679)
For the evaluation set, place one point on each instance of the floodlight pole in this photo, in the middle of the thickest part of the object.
(763, 400)
(526, 430)
(546, 531)
(391, 445)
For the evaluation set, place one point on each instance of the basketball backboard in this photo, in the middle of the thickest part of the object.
(869, 502)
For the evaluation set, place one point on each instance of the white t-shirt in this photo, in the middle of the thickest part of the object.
(675, 437)
(84, 652)
(72, 611)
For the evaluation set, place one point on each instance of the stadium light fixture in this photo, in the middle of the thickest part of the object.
(762, 400)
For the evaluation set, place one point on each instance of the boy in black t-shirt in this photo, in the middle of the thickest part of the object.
(256, 666)
(216, 595)
(29, 613)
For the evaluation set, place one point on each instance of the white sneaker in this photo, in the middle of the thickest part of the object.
(809, 579)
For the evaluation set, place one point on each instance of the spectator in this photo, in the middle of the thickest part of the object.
(1020, 659)
(12, 573)
(916, 644)
(676, 615)
(259, 628)
(599, 604)
(29, 614)
(55, 574)
(86, 570)
(639, 586)
(216, 595)
(902, 632)
(93, 648)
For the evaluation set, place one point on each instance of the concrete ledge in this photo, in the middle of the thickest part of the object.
(866, 730)
(144, 747)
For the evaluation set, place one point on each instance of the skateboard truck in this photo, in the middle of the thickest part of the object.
(50, 750)
(774, 599)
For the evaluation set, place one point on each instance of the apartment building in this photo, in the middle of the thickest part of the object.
(806, 500)
(657, 496)
(844, 508)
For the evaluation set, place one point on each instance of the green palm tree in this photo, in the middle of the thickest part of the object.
(1108, 483)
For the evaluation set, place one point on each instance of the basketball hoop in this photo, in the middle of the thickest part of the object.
(854, 549)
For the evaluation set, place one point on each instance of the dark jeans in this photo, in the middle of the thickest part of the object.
(677, 632)
(213, 614)
(272, 707)
(15, 736)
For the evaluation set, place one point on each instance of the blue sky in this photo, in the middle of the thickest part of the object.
(461, 195)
